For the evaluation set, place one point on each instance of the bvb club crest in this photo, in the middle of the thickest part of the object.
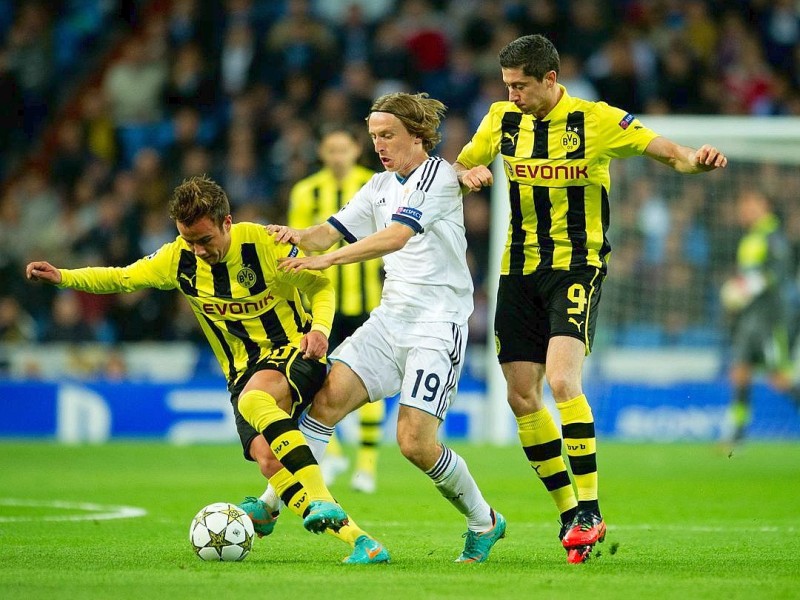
(246, 277)
(570, 141)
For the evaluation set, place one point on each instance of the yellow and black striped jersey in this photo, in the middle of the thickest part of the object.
(558, 178)
(245, 305)
(312, 201)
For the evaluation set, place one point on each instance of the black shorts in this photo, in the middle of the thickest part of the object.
(761, 339)
(533, 308)
(305, 378)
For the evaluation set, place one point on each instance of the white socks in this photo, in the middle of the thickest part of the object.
(452, 478)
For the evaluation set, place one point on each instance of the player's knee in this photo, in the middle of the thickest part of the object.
(325, 408)
(563, 387)
(416, 450)
(332, 403)
(249, 403)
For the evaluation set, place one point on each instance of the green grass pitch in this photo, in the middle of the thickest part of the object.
(685, 521)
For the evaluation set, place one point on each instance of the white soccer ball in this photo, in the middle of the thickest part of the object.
(221, 531)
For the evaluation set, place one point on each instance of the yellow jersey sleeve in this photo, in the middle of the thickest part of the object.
(622, 133)
(485, 144)
(154, 271)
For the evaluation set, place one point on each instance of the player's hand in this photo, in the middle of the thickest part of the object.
(301, 263)
(314, 345)
(284, 234)
(43, 271)
(476, 178)
(708, 158)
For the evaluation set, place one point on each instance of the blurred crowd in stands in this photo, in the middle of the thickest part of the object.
(108, 104)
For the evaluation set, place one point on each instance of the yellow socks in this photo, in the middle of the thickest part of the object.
(289, 446)
(541, 442)
(577, 427)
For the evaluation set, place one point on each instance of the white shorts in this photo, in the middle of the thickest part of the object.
(420, 360)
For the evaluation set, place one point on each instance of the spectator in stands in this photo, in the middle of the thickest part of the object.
(190, 83)
(239, 60)
(337, 12)
(298, 42)
(389, 58)
(71, 155)
(11, 123)
(189, 21)
(244, 181)
(31, 56)
(701, 47)
(67, 323)
(134, 86)
(185, 130)
(16, 325)
(98, 125)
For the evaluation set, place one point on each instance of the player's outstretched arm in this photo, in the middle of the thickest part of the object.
(312, 239)
(684, 159)
(43, 271)
(388, 240)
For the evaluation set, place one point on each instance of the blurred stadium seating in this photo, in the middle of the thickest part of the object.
(110, 103)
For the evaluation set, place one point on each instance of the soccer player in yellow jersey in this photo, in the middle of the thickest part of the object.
(358, 285)
(556, 151)
(271, 351)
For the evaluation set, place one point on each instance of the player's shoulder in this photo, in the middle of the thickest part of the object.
(247, 228)
(170, 249)
(436, 171)
(599, 110)
(497, 110)
(437, 167)
(503, 106)
(435, 179)
(248, 232)
(267, 246)
(577, 104)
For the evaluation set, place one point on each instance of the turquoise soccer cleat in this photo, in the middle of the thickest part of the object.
(367, 552)
(478, 545)
(263, 521)
(324, 515)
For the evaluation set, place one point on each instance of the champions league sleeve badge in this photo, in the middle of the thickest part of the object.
(415, 199)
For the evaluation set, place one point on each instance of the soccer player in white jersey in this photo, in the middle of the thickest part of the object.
(413, 343)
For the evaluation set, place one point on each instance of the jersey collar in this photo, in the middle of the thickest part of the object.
(561, 108)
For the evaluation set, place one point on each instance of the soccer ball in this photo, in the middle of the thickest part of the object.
(221, 531)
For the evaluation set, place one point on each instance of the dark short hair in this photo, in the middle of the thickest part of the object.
(199, 197)
(534, 54)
